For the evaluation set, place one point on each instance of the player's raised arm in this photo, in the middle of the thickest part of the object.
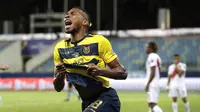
(117, 71)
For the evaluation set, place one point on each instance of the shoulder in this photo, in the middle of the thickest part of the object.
(171, 66)
(153, 55)
(61, 43)
(183, 64)
(97, 36)
(100, 38)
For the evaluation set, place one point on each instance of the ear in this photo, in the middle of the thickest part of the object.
(85, 23)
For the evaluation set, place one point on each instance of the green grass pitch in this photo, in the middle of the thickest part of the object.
(54, 102)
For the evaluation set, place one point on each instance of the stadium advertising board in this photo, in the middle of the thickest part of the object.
(27, 84)
(136, 84)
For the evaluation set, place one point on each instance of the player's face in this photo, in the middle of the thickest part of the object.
(148, 49)
(73, 20)
(176, 59)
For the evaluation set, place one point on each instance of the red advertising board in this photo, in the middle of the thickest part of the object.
(26, 84)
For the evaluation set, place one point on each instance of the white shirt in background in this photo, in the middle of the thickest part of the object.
(153, 60)
(177, 80)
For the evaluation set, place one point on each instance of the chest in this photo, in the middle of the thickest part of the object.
(80, 54)
(78, 51)
(173, 67)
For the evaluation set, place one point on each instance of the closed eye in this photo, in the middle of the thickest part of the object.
(73, 13)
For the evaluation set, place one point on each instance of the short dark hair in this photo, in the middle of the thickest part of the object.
(175, 55)
(77, 7)
(153, 46)
(88, 16)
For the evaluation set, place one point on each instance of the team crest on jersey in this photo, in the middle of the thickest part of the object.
(86, 49)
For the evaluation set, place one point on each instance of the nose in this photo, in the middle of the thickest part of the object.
(66, 17)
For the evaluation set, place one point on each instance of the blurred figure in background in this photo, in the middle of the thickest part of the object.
(71, 91)
(4, 67)
(176, 83)
(153, 65)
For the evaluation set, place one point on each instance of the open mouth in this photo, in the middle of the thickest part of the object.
(68, 22)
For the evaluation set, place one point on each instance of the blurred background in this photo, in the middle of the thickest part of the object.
(29, 30)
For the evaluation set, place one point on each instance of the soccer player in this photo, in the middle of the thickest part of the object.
(82, 60)
(153, 65)
(71, 91)
(4, 67)
(176, 75)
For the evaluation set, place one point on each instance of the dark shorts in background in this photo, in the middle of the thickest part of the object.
(108, 101)
(70, 85)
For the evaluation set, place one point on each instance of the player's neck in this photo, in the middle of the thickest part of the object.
(78, 35)
(150, 53)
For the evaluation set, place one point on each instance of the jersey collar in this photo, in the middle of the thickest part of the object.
(86, 35)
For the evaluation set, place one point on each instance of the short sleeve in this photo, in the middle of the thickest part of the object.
(56, 56)
(170, 70)
(152, 61)
(105, 50)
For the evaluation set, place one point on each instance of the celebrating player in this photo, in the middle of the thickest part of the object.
(82, 59)
(152, 88)
(71, 91)
(176, 75)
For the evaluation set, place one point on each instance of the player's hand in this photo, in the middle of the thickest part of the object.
(93, 70)
(61, 69)
(147, 88)
(4, 67)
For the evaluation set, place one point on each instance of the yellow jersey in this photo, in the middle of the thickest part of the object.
(76, 57)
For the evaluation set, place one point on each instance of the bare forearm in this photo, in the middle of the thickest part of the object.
(59, 83)
(169, 80)
(151, 77)
(115, 73)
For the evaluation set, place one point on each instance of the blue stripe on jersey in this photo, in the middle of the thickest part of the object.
(76, 66)
(80, 50)
(94, 61)
(81, 80)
